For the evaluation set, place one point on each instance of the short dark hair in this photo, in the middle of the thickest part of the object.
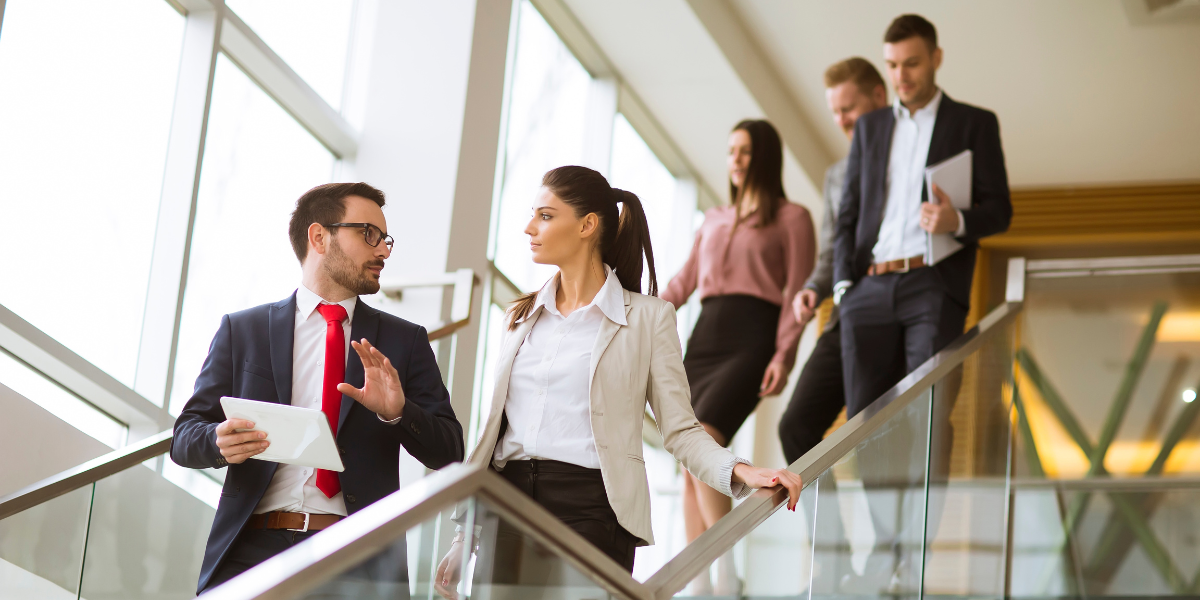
(907, 26)
(857, 69)
(325, 204)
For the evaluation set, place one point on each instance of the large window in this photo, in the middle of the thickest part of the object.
(635, 168)
(86, 90)
(312, 36)
(546, 121)
(257, 162)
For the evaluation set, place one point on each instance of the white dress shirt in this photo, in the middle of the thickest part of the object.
(549, 397)
(294, 487)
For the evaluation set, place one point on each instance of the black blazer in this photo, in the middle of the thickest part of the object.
(958, 127)
(251, 357)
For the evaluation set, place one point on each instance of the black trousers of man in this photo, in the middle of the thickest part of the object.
(381, 577)
(818, 398)
(891, 324)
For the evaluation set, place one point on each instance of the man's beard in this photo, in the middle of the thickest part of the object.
(345, 273)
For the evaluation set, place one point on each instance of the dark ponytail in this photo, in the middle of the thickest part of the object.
(624, 233)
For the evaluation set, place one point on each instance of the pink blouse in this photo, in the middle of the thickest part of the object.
(771, 263)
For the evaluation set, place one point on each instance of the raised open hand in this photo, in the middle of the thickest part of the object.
(381, 392)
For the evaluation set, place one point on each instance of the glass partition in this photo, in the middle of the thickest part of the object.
(871, 507)
(41, 549)
(145, 540)
(1109, 363)
(132, 535)
(911, 498)
(1104, 476)
(499, 561)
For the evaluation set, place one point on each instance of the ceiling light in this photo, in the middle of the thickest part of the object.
(1189, 395)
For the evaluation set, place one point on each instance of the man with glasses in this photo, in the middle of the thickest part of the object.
(373, 375)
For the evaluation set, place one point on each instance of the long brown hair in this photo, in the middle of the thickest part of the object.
(764, 177)
(624, 234)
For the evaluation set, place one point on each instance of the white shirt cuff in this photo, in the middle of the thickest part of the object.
(392, 422)
(839, 289)
(962, 225)
(725, 477)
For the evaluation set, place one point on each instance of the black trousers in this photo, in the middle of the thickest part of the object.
(575, 495)
(818, 398)
(383, 576)
(891, 324)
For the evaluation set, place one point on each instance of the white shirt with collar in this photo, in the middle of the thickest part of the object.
(294, 487)
(900, 233)
(549, 396)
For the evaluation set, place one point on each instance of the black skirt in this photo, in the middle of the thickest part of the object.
(727, 355)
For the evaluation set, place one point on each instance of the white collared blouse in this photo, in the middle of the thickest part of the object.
(549, 406)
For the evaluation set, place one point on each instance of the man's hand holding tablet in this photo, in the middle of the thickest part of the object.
(238, 440)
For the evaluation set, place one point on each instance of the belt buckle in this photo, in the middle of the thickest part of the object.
(906, 265)
(307, 516)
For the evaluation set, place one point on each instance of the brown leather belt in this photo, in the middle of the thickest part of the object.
(901, 265)
(292, 521)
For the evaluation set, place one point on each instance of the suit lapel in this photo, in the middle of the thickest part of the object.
(939, 141)
(508, 353)
(365, 325)
(608, 330)
(281, 330)
(880, 155)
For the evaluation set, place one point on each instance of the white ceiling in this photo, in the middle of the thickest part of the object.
(1084, 96)
(665, 54)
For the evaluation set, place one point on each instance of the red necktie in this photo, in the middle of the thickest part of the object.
(335, 373)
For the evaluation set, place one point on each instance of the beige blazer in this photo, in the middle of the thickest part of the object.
(632, 365)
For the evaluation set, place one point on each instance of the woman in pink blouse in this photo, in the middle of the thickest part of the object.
(749, 259)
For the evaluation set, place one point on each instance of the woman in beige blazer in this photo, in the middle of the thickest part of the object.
(582, 358)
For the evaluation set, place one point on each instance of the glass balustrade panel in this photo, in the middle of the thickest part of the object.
(1114, 359)
(970, 439)
(41, 548)
(496, 560)
(870, 512)
(146, 538)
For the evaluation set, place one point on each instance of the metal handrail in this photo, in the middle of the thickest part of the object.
(756, 509)
(370, 530)
(464, 282)
(85, 474)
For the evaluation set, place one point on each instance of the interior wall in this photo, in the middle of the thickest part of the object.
(36, 444)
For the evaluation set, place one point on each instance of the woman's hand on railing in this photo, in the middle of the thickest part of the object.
(448, 571)
(757, 477)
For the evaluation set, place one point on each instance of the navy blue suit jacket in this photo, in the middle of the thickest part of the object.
(251, 357)
(958, 127)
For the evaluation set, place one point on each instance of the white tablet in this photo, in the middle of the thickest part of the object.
(298, 436)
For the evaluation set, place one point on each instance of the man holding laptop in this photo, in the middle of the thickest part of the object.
(372, 374)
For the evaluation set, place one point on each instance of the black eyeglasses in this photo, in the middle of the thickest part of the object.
(371, 234)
